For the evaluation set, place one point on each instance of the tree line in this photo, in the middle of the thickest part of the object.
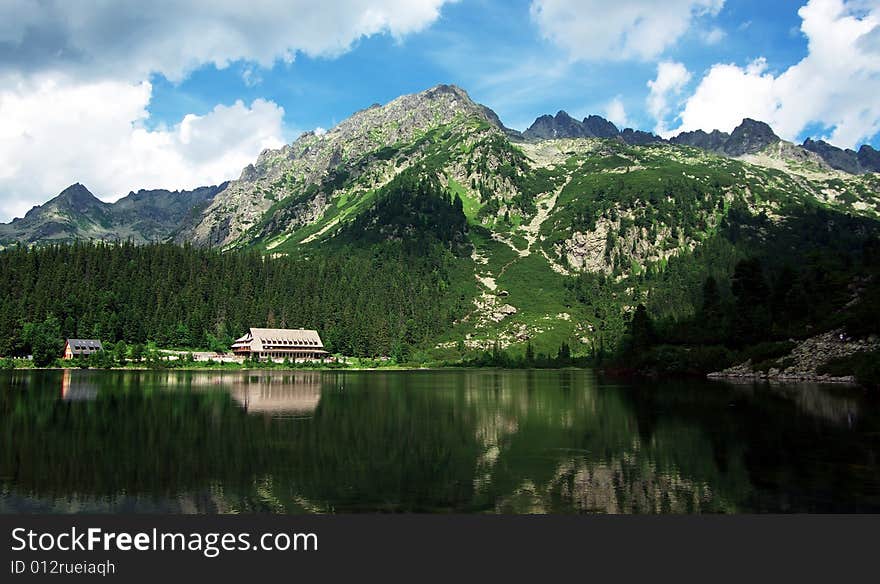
(364, 302)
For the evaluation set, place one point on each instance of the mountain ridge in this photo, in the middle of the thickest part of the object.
(295, 186)
(508, 240)
(76, 213)
(749, 137)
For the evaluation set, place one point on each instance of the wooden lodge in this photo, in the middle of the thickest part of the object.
(74, 348)
(279, 344)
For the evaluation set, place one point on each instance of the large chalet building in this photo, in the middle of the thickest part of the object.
(278, 344)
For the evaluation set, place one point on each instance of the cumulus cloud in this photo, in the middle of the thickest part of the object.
(616, 113)
(132, 39)
(625, 29)
(74, 86)
(835, 86)
(55, 131)
(669, 83)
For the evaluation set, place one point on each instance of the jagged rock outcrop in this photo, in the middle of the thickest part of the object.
(713, 141)
(562, 125)
(750, 137)
(513, 135)
(865, 160)
(836, 158)
(640, 138)
(869, 158)
(600, 127)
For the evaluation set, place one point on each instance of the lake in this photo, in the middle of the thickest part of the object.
(464, 441)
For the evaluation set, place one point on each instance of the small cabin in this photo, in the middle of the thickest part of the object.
(75, 348)
(278, 344)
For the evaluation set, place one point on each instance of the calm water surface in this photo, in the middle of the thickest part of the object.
(429, 441)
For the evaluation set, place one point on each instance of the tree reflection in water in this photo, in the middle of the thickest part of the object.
(438, 441)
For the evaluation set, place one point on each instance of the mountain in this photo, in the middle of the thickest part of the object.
(639, 137)
(750, 137)
(78, 214)
(543, 213)
(563, 125)
(869, 158)
(837, 158)
(324, 179)
(424, 226)
(865, 160)
(600, 127)
(713, 142)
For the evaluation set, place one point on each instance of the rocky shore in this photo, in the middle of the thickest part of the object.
(805, 360)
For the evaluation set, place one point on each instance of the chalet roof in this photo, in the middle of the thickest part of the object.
(87, 345)
(280, 338)
(298, 337)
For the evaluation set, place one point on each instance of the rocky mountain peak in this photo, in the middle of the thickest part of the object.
(321, 163)
(750, 137)
(78, 197)
(836, 158)
(600, 127)
(76, 213)
(640, 137)
(869, 158)
(562, 125)
(713, 141)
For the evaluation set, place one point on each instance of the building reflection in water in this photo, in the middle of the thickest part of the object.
(77, 386)
(275, 394)
(294, 394)
(484, 440)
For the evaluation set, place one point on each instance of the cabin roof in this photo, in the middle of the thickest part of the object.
(79, 345)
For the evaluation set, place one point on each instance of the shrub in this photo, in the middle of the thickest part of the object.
(864, 366)
(768, 351)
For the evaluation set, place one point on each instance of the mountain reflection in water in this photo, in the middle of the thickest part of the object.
(429, 441)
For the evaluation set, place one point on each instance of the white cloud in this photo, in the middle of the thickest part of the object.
(54, 132)
(132, 38)
(669, 83)
(836, 85)
(74, 90)
(615, 112)
(714, 35)
(624, 29)
(250, 77)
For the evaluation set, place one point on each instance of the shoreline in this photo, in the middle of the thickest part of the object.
(790, 378)
(729, 376)
(294, 369)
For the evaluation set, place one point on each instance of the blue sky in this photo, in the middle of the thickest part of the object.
(474, 44)
(176, 94)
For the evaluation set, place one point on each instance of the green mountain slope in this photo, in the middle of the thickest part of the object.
(523, 240)
(542, 214)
